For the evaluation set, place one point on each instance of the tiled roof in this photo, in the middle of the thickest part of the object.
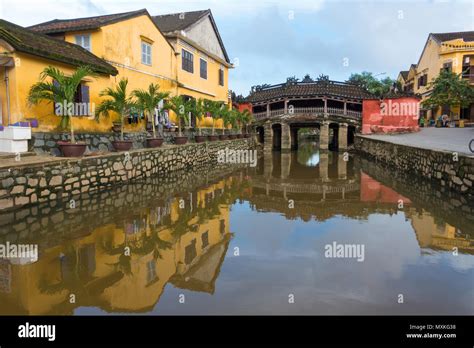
(331, 88)
(404, 74)
(27, 41)
(64, 25)
(178, 21)
(465, 35)
(175, 22)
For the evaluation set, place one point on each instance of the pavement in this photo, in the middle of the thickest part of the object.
(441, 139)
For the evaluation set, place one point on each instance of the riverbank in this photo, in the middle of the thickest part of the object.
(24, 182)
(441, 161)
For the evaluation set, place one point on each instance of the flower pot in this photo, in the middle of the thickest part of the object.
(154, 142)
(240, 136)
(72, 150)
(232, 136)
(247, 135)
(223, 137)
(180, 140)
(213, 137)
(200, 138)
(122, 145)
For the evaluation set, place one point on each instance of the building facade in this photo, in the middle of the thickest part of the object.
(443, 51)
(126, 45)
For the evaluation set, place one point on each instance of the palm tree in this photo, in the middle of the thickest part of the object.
(245, 119)
(201, 108)
(147, 100)
(61, 89)
(215, 110)
(181, 108)
(120, 103)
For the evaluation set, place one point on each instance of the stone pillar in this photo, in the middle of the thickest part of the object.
(285, 137)
(285, 164)
(323, 165)
(268, 110)
(341, 167)
(325, 107)
(342, 137)
(286, 106)
(267, 137)
(345, 107)
(324, 136)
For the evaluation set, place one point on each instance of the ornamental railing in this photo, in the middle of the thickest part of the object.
(316, 111)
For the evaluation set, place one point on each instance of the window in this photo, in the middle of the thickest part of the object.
(447, 66)
(423, 80)
(82, 106)
(205, 239)
(203, 68)
(146, 53)
(221, 77)
(466, 66)
(84, 41)
(187, 61)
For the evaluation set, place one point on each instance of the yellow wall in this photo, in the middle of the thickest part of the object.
(431, 61)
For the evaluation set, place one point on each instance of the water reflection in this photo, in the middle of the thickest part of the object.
(242, 243)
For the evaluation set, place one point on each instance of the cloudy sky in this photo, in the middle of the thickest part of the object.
(270, 40)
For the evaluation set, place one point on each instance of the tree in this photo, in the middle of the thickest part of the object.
(148, 100)
(449, 88)
(245, 119)
(120, 103)
(237, 98)
(373, 85)
(201, 108)
(61, 89)
(182, 108)
(216, 111)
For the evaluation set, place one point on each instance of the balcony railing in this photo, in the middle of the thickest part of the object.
(317, 110)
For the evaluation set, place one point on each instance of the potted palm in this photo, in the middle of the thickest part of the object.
(214, 111)
(148, 100)
(61, 89)
(181, 108)
(200, 109)
(120, 103)
(232, 121)
(226, 121)
(246, 118)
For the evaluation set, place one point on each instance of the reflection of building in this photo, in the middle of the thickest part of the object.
(438, 234)
(184, 244)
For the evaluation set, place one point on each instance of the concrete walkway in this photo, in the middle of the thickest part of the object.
(444, 139)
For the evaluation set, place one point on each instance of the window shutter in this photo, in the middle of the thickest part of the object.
(85, 97)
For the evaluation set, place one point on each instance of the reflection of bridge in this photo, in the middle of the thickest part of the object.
(281, 110)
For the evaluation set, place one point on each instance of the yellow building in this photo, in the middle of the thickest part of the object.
(449, 51)
(24, 55)
(125, 45)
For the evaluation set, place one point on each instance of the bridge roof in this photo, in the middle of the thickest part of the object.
(309, 89)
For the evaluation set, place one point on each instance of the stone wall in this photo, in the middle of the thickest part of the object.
(32, 224)
(46, 143)
(62, 179)
(440, 167)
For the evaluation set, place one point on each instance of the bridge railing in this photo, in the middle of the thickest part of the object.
(317, 110)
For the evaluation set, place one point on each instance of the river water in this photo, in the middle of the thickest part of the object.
(302, 233)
